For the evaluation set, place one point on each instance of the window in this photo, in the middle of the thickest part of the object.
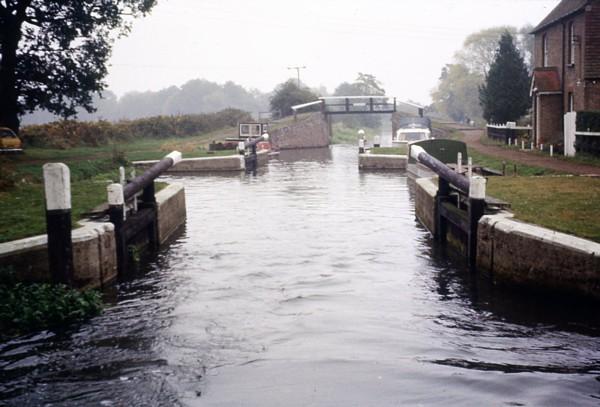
(545, 50)
(571, 43)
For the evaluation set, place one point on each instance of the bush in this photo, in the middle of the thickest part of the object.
(588, 121)
(69, 133)
(30, 307)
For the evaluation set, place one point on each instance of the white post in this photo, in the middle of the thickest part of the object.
(541, 147)
(135, 202)
(470, 168)
(459, 163)
(477, 187)
(551, 150)
(509, 142)
(522, 144)
(122, 176)
(57, 189)
(116, 198)
(570, 128)
(531, 146)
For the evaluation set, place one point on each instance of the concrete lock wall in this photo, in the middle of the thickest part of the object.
(207, 164)
(171, 210)
(382, 162)
(307, 132)
(204, 164)
(425, 192)
(530, 255)
(94, 256)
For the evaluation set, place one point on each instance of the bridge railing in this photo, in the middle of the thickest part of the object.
(449, 205)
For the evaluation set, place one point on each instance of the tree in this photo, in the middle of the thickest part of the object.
(457, 93)
(288, 94)
(364, 85)
(479, 49)
(505, 94)
(53, 53)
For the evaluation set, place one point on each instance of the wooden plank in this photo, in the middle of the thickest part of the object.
(457, 217)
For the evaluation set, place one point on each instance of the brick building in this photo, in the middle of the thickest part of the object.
(566, 75)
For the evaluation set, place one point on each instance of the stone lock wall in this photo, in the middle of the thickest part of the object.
(171, 210)
(94, 256)
(530, 255)
(425, 192)
(311, 131)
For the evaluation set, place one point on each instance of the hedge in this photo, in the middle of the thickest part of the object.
(71, 133)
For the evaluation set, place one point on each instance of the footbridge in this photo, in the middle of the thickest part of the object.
(336, 105)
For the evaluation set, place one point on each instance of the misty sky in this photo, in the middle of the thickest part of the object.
(403, 43)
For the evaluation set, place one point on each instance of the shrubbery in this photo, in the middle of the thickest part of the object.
(29, 307)
(71, 133)
(588, 121)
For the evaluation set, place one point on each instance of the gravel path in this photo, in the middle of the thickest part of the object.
(473, 139)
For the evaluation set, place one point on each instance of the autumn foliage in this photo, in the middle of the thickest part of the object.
(71, 133)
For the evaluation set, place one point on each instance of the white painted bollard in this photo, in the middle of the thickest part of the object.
(477, 187)
(361, 145)
(57, 191)
(135, 202)
(116, 200)
(509, 142)
(522, 144)
(122, 176)
(531, 146)
(551, 150)
(541, 147)
(459, 163)
(470, 167)
(476, 211)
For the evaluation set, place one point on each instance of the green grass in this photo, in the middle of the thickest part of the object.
(566, 204)
(496, 164)
(348, 135)
(401, 150)
(92, 169)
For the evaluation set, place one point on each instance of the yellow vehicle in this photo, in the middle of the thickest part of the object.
(9, 142)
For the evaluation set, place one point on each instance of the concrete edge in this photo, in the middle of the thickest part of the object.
(165, 194)
(428, 184)
(508, 225)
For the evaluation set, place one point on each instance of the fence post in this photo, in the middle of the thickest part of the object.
(116, 214)
(476, 211)
(57, 189)
(551, 150)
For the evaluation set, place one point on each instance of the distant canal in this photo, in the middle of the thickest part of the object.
(310, 284)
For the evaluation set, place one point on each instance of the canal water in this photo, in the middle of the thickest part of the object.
(310, 284)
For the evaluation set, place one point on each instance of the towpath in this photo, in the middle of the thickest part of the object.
(473, 139)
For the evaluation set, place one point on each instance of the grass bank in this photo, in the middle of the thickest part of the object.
(348, 135)
(400, 150)
(92, 169)
(566, 204)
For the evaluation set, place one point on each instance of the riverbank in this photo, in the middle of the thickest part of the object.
(545, 191)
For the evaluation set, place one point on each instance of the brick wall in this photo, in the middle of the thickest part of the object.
(550, 119)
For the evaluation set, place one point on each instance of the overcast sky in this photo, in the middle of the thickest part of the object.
(404, 44)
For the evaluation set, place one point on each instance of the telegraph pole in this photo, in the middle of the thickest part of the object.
(297, 68)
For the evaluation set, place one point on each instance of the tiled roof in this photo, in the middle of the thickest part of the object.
(546, 80)
(565, 8)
